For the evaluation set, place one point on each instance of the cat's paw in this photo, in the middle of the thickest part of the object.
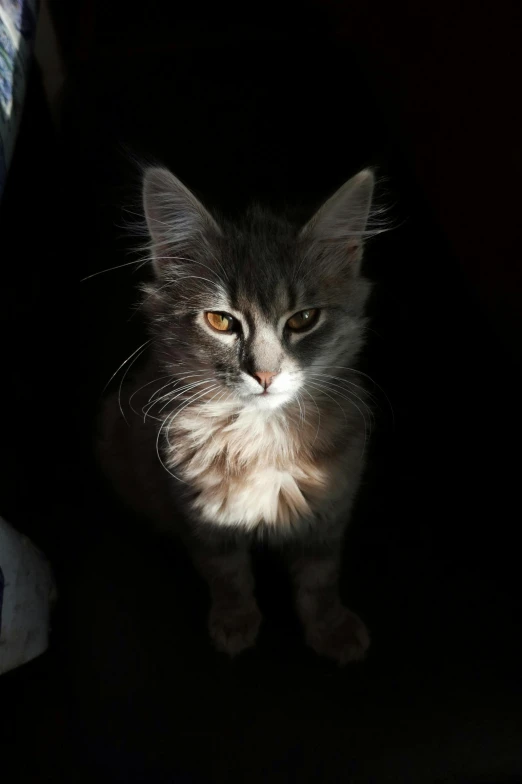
(345, 640)
(234, 630)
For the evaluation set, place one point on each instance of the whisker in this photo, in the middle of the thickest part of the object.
(136, 391)
(360, 372)
(317, 386)
(321, 389)
(111, 269)
(318, 413)
(136, 354)
(342, 380)
(175, 381)
(223, 393)
(334, 389)
(124, 363)
(170, 396)
(349, 391)
(188, 387)
(298, 399)
(167, 424)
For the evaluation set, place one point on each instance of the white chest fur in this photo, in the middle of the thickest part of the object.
(250, 469)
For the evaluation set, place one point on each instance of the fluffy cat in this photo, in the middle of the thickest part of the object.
(253, 415)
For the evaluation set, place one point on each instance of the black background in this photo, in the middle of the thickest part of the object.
(279, 109)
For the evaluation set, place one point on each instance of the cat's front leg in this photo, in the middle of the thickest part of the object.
(234, 617)
(331, 629)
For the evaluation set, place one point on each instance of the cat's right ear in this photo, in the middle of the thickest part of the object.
(341, 223)
(178, 224)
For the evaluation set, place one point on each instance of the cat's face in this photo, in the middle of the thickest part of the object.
(257, 311)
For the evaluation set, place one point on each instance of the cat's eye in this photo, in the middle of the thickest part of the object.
(223, 322)
(303, 320)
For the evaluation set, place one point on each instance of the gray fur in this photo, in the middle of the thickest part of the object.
(217, 462)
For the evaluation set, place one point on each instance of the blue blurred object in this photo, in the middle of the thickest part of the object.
(17, 32)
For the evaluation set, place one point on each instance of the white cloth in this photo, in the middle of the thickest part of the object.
(27, 591)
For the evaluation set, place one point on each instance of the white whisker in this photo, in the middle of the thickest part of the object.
(349, 391)
(169, 397)
(320, 387)
(167, 424)
(124, 363)
(136, 354)
(318, 413)
(136, 391)
(111, 269)
(182, 376)
(360, 372)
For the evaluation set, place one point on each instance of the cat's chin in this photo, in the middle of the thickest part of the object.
(268, 402)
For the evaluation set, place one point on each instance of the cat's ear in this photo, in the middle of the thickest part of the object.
(178, 223)
(341, 223)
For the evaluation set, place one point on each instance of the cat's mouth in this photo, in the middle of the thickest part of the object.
(268, 396)
(268, 393)
(269, 399)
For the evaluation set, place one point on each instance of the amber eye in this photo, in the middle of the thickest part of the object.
(221, 321)
(303, 319)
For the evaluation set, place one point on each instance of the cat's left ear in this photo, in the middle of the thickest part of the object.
(179, 225)
(341, 223)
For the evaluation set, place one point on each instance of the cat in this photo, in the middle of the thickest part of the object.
(253, 420)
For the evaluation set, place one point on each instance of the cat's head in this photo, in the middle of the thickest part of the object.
(258, 309)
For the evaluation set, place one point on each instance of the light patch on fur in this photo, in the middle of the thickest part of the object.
(248, 467)
(266, 346)
(284, 388)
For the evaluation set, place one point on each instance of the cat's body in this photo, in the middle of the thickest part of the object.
(249, 418)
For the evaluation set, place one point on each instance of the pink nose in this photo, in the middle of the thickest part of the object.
(265, 379)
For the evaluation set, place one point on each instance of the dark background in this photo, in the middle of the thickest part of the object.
(283, 104)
